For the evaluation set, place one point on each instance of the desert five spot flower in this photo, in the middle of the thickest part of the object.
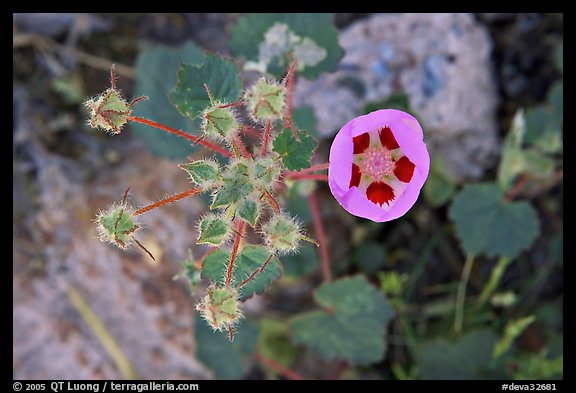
(378, 164)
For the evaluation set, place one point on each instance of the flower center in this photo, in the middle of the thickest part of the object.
(377, 163)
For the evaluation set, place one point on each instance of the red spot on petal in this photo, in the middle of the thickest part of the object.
(380, 193)
(361, 142)
(356, 175)
(404, 169)
(387, 139)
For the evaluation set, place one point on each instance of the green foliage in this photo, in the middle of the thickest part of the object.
(247, 262)
(269, 41)
(203, 173)
(466, 358)
(352, 324)
(296, 154)
(220, 75)
(249, 210)
(370, 257)
(301, 264)
(212, 230)
(156, 69)
(486, 223)
(117, 225)
(539, 366)
(512, 330)
(440, 186)
(228, 360)
(275, 341)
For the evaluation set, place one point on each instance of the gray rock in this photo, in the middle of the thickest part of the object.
(441, 61)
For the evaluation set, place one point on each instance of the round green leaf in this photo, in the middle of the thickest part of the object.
(485, 223)
(352, 326)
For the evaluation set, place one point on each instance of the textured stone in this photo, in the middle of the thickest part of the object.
(441, 61)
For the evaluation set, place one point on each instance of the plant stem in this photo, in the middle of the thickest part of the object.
(289, 98)
(306, 176)
(166, 201)
(192, 138)
(314, 168)
(324, 256)
(265, 139)
(461, 294)
(237, 238)
(279, 368)
(493, 281)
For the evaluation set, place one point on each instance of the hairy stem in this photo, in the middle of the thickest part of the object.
(306, 176)
(192, 138)
(237, 238)
(319, 228)
(166, 201)
(279, 368)
(265, 139)
(289, 98)
(257, 271)
(314, 168)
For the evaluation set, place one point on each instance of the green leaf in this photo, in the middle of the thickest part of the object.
(295, 154)
(156, 69)
(248, 210)
(487, 224)
(466, 358)
(275, 342)
(267, 40)
(513, 329)
(213, 230)
(228, 360)
(370, 257)
(236, 185)
(543, 128)
(440, 186)
(247, 262)
(203, 173)
(220, 75)
(302, 263)
(304, 118)
(352, 326)
(539, 366)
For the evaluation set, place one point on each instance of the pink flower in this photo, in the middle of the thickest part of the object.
(378, 164)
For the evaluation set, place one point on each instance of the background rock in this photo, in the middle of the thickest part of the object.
(441, 61)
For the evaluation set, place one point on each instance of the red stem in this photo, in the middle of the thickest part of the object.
(242, 148)
(314, 168)
(198, 264)
(259, 270)
(309, 176)
(289, 98)
(235, 247)
(265, 140)
(279, 368)
(237, 103)
(250, 131)
(324, 256)
(166, 201)
(192, 138)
